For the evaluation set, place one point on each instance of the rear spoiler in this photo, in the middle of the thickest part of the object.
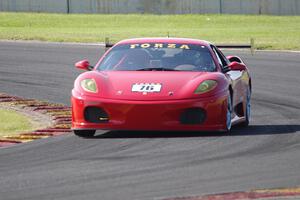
(108, 44)
(221, 46)
(250, 46)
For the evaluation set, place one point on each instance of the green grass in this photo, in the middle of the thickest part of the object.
(12, 123)
(269, 32)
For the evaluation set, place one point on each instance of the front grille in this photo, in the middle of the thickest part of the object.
(95, 115)
(193, 116)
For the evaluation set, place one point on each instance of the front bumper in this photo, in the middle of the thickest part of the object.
(150, 115)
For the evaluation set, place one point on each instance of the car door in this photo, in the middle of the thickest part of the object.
(234, 76)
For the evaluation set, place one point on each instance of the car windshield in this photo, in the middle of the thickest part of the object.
(158, 57)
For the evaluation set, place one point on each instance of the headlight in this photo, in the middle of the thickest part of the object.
(89, 85)
(206, 86)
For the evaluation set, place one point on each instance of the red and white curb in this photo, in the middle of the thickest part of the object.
(60, 115)
(265, 194)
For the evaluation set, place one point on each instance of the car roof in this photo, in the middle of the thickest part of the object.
(164, 40)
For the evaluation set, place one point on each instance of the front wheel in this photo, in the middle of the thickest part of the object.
(248, 109)
(85, 133)
(228, 113)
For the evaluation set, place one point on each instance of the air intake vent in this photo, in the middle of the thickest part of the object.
(95, 115)
(193, 116)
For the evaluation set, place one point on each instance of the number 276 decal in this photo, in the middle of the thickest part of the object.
(146, 87)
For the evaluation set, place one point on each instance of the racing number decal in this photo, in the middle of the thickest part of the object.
(146, 87)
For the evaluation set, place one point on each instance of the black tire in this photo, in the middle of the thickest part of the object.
(248, 109)
(229, 114)
(85, 133)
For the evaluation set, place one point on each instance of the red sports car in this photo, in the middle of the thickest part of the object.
(166, 84)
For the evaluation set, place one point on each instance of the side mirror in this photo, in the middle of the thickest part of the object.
(84, 64)
(235, 66)
(234, 58)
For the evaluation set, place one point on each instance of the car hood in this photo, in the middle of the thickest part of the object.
(173, 85)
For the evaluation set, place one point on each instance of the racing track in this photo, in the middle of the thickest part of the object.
(150, 165)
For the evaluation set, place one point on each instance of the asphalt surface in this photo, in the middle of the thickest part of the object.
(150, 165)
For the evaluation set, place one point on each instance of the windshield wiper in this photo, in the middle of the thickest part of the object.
(156, 69)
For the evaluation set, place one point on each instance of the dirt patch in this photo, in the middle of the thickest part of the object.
(36, 119)
(48, 119)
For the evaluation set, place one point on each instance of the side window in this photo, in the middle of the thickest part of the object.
(224, 59)
(221, 58)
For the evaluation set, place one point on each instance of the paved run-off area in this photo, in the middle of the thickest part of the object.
(150, 165)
